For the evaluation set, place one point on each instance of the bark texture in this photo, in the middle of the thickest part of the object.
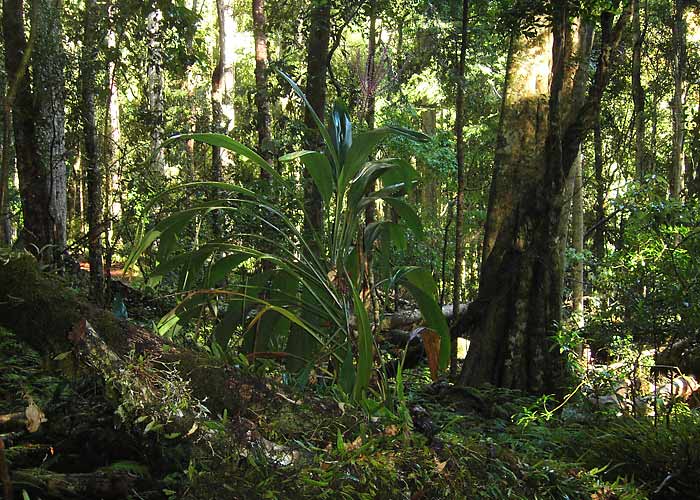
(154, 90)
(459, 134)
(262, 100)
(92, 161)
(679, 64)
(316, 73)
(638, 93)
(548, 107)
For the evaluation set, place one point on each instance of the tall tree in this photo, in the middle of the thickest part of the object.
(638, 92)
(459, 221)
(38, 120)
(546, 113)
(262, 101)
(679, 63)
(316, 73)
(222, 86)
(577, 241)
(92, 161)
(5, 226)
(154, 91)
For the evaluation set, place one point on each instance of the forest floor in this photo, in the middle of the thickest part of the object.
(145, 426)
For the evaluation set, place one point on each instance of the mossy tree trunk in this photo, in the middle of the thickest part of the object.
(545, 115)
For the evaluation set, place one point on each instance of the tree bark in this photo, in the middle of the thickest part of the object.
(262, 101)
(111, 139)
(5, 227)
(459, 135)
(577, 243)
(48, 61)
(92, 161)
(316, 72)
(154, 90)
(599, 235)
(638, 94)
(545, 116)
(679, 63)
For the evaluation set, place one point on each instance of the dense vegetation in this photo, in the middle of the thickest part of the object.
(369, 249)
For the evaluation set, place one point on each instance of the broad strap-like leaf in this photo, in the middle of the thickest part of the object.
(365, 347)
(341, 130)
(224, 141)
(422, 287)
(321, 127)
(407, 214)
(319, 168)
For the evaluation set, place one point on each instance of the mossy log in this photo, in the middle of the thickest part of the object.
(106, 485)
(42, 310)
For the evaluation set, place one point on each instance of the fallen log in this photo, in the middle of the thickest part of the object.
(409, 317)
(13, 422)
(106, 485)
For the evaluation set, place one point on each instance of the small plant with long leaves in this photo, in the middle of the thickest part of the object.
(307, 303)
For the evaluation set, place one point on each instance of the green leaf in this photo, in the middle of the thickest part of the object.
(346, 376)
(222, 267)
(422, 287)
(321, 127)
(341, 128)
(365, 347)
(320, 170)
(224, 141)
(407, 214)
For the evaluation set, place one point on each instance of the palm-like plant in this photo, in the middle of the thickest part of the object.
(308, 300)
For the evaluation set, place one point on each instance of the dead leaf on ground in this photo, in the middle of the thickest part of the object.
(431, 343)
(35, 417)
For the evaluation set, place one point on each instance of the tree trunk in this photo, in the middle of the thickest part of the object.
(48, 61)
(92, 161)
(577, 242)
(675, 182)
(638, 94)
(459, 135)
(694, 184)
(370, 111)
(154, 91)
(5, 227)
(222, 84)
(600, 190)
(262, 101)
(111, 139)
(545, 116)
(316, 72)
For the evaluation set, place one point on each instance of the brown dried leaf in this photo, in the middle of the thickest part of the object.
(35, 417)
(355, 444)
(79, 331)
(391, 430)
(431, 342)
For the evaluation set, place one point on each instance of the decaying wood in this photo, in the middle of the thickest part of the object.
(13, 422)
(403, 319)
(4, 474)
(107, 485)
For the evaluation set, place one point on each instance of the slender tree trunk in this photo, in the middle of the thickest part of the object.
(92, 161)
(677, 103)
(222, 85)
(192, 118)
(546, 115)
(155, 89)
(577, 240)
(638, 94)
(262, 101)
(316, 72)
(459, 220)
(370, 210)
(694, 184)
(600, 190)
(111, 140)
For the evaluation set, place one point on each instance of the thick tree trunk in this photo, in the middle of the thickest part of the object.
(5, 227)
(675, 181)
(262, 101)
(316, 72)
(520, 294)
(459, 135)
(154, 90)
(92, 161)
(638, 94)
(48, 61)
